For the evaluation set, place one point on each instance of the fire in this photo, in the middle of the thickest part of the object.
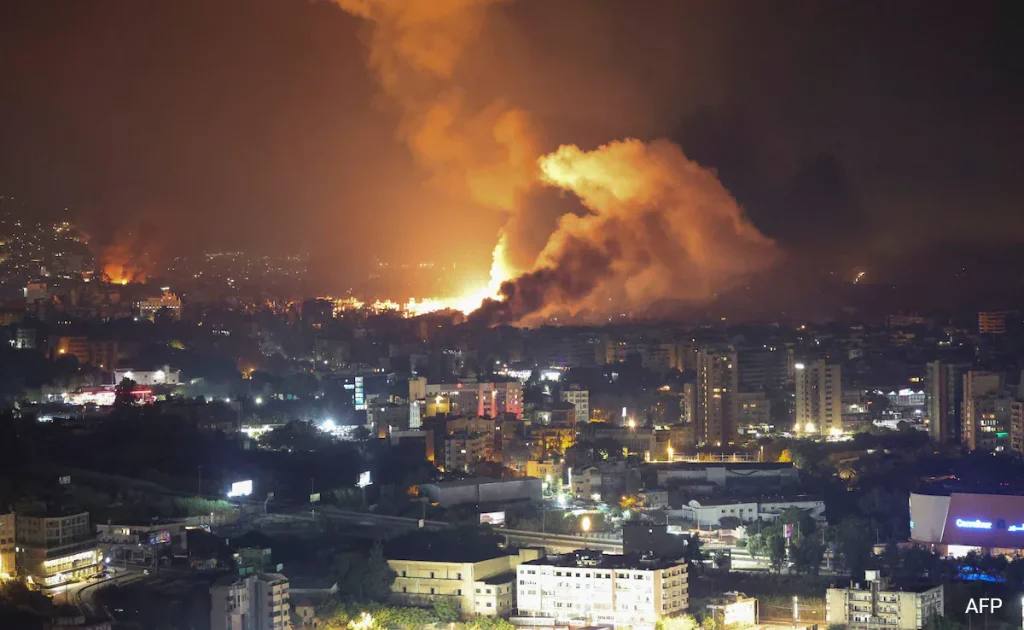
(122, 261)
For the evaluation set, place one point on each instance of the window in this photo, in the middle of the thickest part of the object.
(478, 591)
(405, 590)
(431, 590)
(458, 576)
(488, 591)
(458, 591)
(431, 575)
(403, 573)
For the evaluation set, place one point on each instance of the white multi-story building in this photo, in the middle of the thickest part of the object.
(819, 398)
(707, 512)
(588, 587)
(254, 602)
(166, 376)
(580, 400)
(879, 605)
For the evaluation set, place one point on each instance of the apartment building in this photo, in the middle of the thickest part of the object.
(254, 602)
(588, 587)
(877, 605)
(7, 546)
(53, 549)
(477, 585)
(580, 400)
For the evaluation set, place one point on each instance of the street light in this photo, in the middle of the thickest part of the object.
(585, 526)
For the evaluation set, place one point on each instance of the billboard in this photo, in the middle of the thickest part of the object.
(314, 497)
(364, 479)
(241, 488)
(161, 537)
(496, 519)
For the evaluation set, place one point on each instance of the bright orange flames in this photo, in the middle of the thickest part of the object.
(465, 303)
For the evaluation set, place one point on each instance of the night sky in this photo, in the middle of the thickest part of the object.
(854, 133)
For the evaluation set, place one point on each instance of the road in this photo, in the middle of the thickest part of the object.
(82, 594)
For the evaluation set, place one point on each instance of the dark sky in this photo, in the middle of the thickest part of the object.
(851, 131)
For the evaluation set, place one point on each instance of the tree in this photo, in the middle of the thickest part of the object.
(379, 575)
(776, 552)
(363, 577)
(124, 393)
(682, 622)
(729, 522)
(693, 556)
(757, 545)
(446, 610)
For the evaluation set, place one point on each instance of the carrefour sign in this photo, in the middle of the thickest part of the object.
(975, 524)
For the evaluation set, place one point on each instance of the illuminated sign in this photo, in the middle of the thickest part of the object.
(241, 488)
(975, 524)
(161, 537)
(364, 479)
(1016, 528)
(496, 519)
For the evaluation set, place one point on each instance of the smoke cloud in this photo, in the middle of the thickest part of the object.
(487, 151)
(660, 228)
(655, 226)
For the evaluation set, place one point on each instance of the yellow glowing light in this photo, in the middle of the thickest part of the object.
(585, 524)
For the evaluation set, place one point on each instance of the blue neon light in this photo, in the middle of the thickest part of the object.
(1015, 528)
(975, 524)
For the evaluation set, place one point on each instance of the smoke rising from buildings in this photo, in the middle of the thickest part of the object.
(659, 229)
(654, 226)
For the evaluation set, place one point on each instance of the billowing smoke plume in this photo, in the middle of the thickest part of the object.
(660, 228)
(489, 152)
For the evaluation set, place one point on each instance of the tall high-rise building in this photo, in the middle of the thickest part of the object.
(978, 384)
(717, 386)
(1017, 426)
(991, 422)
(688, 404)
(944, 391)
(819, 398)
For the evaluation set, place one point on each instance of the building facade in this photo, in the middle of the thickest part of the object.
(717, 404)
(992, 322)
(580, 400)
(477, 587)
(255, 602)
(819, 398)
(52, 550)
(878, 605)
(166, 376)
(8, 568)
(588, 587)
(168, 303)
(944, 390)
(979, 384)
(462, 450)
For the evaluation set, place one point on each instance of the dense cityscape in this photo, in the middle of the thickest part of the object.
(510, 315)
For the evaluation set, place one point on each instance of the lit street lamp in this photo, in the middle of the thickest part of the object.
(585, 526)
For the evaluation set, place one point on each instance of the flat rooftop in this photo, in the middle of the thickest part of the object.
(594, 559)
(749, 466)
(500, 578)
(474, 481)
